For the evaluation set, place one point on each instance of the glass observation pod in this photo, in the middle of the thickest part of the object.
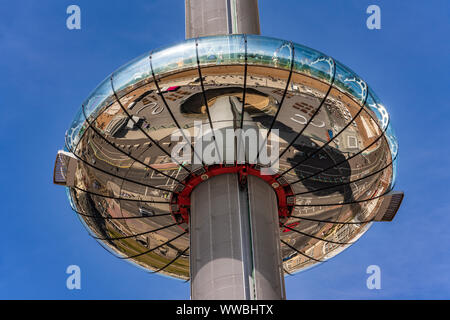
(336, 160)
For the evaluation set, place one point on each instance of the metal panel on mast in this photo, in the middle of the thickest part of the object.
(235, 251)
(220, 17)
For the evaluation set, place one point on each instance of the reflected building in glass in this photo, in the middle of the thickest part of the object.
(336, 163)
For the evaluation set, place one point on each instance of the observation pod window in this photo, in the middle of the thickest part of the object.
(350, 83)
(176, 58)
(132, 73)
(221, 50)
(75, 130)
(101, 97)
(313, 63)
(377, 107)
(393, 146)
(69, 196)
(377, 110)
(280, 85)
(269, 52)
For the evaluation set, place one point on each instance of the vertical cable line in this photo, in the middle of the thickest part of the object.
(96, 117)
(241, 125)
(345, 160)
(117, 198)
(298, 251)
(349, 182)
(314, 114)
(119, 218)
(282, 98)
(85, 131)
(137, 234)
(343, 203)
(331, 140)
(142, 130)
(204, 97)
(125, 153)
(106, 107)
(245, 83)
(383, 131)
(114, 175)
(332, 222)
(172, 261)
(168, 109)
(314, 237)
(157, 247)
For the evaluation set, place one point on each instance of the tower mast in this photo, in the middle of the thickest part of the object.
(234, 229)
(220, 17)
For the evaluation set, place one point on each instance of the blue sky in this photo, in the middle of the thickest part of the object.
(48, 70)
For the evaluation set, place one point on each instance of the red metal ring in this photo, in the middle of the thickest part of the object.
(180, 201)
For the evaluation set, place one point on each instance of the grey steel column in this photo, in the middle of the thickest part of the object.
(235, 250)
(265, 231)
(234, 229)
(219, 17)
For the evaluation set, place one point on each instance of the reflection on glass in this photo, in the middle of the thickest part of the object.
(76, 130)
(99, 98)
(69, 196)
(393, 146)
(269, 52)
(377, 107)
(349, 82)
(141, 173)
(224, 50)
(131, 73)
(313, 63)
(177, 58)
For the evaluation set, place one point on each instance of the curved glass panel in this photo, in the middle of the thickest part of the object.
(108, 247)
(69, 196)
(352, 151)
(175, 58)
(349, 82)
(334, 190)
(269, 52)
(313, 63)
(314, 250)
(222, 62)
(394, 172)
(377, 107)
(129, 76)
(221, 50)
(392, 140)
(101, 97)
(76, 129)
(335, 151)
(393, 146)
